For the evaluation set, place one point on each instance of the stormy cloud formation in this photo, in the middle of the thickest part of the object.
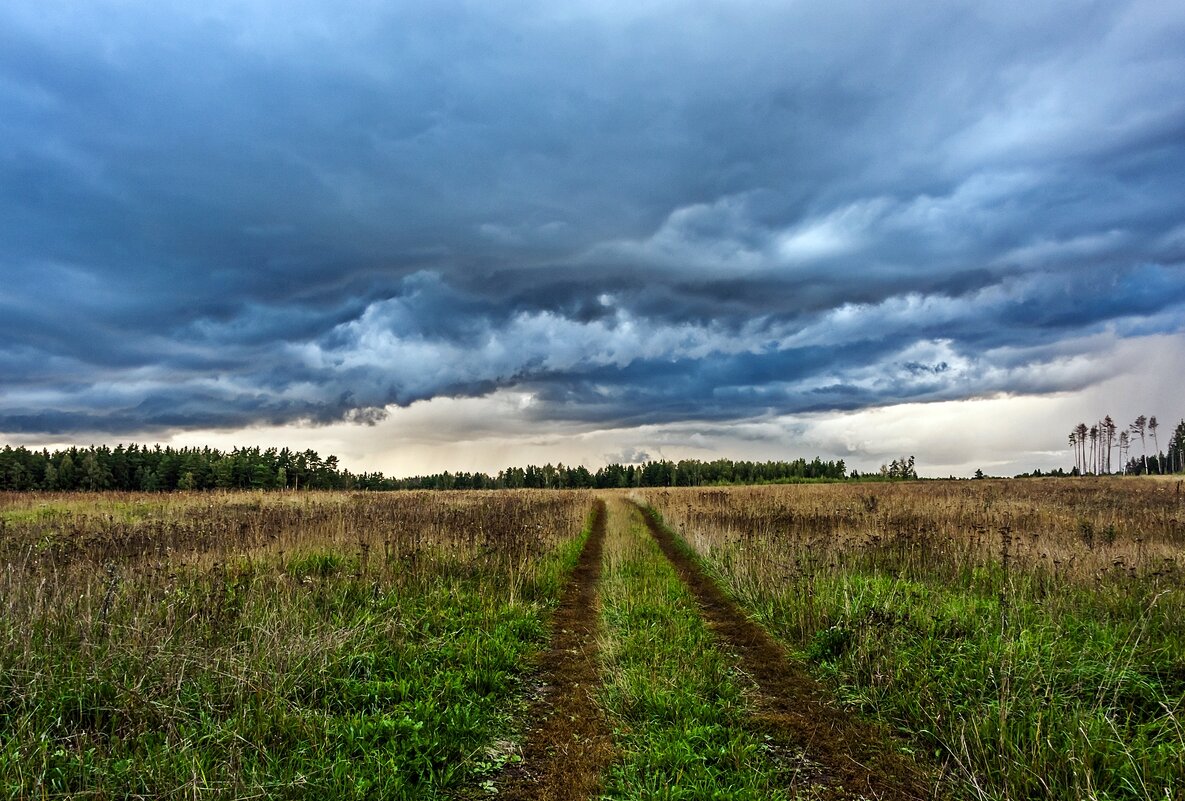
(628, 214)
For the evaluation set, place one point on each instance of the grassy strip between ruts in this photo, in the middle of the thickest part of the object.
(678, 710)
(307, 675)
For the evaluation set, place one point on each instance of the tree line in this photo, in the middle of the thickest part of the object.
(1094, 447)
(658, 473)
(151, 469)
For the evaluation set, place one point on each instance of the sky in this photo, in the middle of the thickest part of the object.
(463, 235)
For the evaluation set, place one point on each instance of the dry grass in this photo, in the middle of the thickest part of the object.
(330, 644)
(1030, 634)
(1085, 530)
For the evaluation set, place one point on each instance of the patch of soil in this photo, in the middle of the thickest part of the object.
(568, 740)
(852, 757)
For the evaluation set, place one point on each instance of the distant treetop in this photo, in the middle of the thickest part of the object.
(144, 468)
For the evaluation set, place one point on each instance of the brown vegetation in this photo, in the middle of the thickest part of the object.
(237, 645)
(1072, 529)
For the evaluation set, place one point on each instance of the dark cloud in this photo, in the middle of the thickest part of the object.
(269, 212)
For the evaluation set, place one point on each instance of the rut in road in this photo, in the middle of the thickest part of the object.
(791, 705)
(568, 743)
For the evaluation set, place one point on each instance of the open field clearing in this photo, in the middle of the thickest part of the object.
(235, 646)
(904, 640)
(1027, 635)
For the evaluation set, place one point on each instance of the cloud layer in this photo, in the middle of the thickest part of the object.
(627, 213)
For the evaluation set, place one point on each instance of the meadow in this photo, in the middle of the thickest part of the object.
(1028, 636)
(986, 639)
(280, 645)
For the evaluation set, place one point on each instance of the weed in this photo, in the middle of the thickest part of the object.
(829, 644)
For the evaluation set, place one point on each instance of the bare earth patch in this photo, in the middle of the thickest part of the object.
(568, 741)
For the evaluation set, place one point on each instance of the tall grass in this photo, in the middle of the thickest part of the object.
(326, 645)
(1029, 634)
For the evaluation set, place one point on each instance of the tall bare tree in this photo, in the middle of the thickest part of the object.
(1109, 429)
(1082, 431)
(1152, 426)
(1140, 427)
(1124, 444)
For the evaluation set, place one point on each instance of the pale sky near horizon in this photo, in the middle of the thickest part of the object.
(447, 235)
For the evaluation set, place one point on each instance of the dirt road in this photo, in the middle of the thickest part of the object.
(569, 743)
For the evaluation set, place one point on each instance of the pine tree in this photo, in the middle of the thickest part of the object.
(1139, 426)
(1152, 426)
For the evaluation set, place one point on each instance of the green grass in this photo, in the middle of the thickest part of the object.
(67, 509)
(674, 698)
(1023, 683)
(29, 514)
(388, 693)
(1079, 696)
(321, 673)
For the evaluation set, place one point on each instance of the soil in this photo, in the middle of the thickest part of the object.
(853, 758)
(568, 741)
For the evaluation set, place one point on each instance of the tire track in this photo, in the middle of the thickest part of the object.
(791, 706)
(569, 742)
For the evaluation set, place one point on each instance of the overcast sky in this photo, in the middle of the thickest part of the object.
(430, 235)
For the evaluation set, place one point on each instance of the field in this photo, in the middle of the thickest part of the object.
(234, 646)
(1028, 636)
(986, 639)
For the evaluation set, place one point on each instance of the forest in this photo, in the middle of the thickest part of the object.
(153, 469)
(1093, 448)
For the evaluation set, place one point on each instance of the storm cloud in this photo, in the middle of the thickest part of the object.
(632, 213)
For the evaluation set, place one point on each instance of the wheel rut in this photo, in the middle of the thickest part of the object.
(854, 758)
(568, 741)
